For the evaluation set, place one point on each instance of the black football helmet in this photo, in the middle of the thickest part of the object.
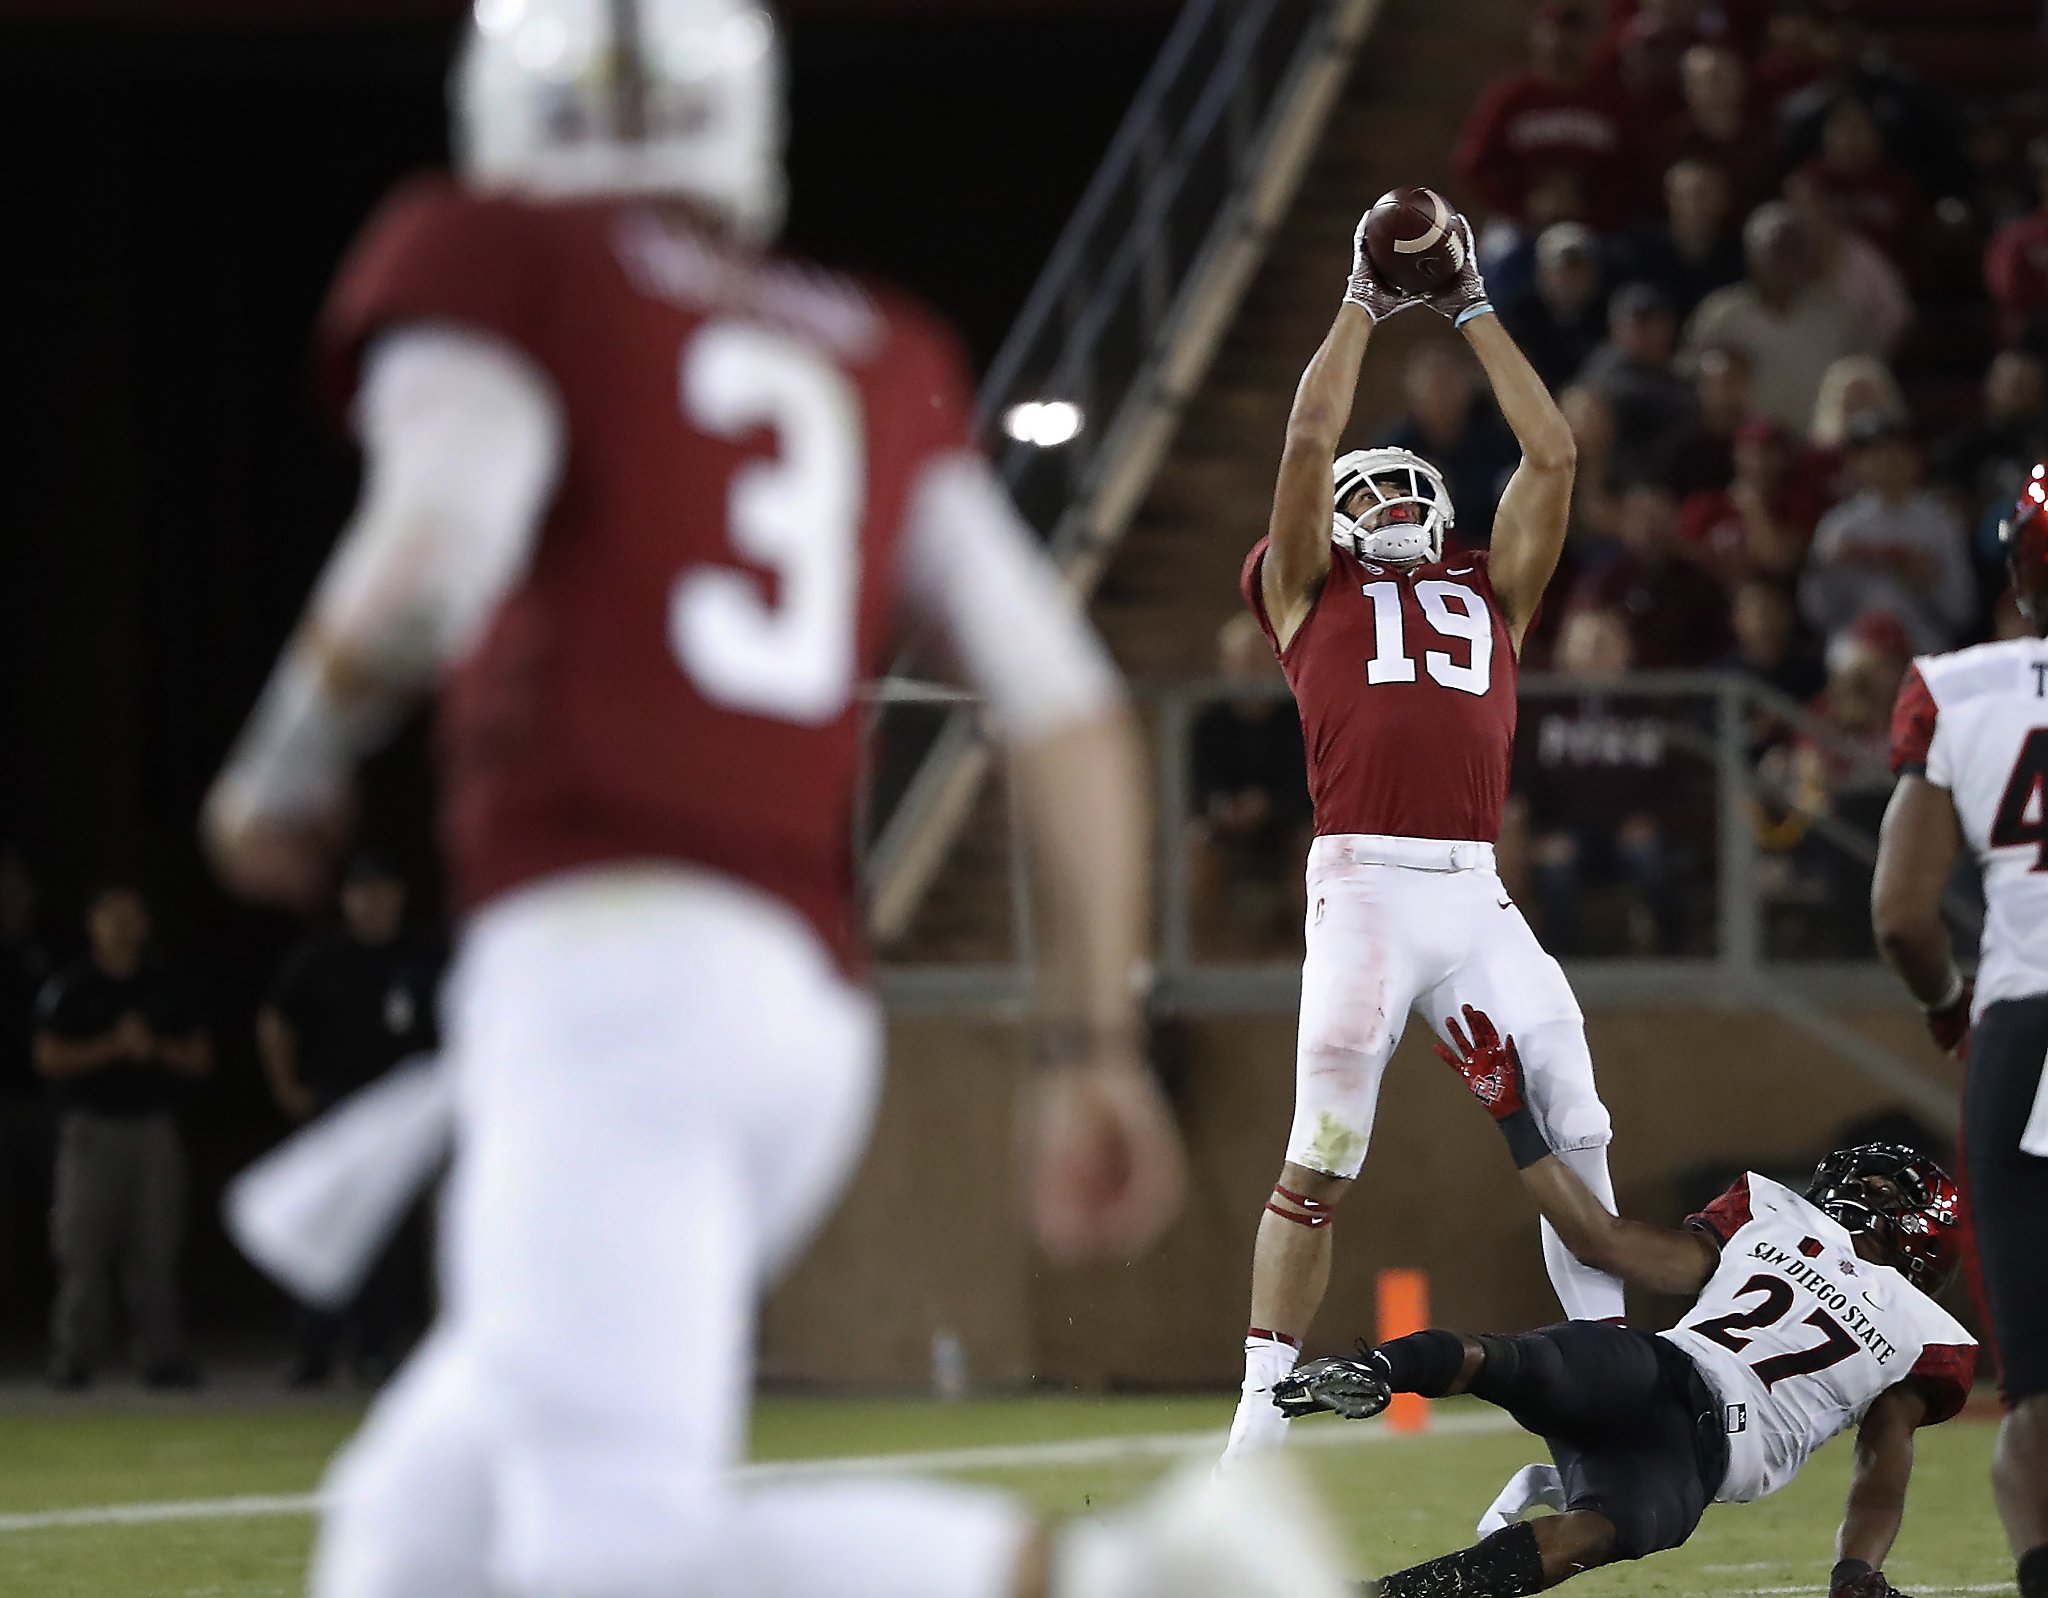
(1903, 1199)
(2024, 537)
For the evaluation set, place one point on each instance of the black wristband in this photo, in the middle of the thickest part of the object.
(1525, 1138)
(1846, 1571)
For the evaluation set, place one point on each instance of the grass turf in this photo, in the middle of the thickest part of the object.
(1398, 1500)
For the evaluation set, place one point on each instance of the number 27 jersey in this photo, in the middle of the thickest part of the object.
(674, 677)
(1796, 1334)
(1405, 681)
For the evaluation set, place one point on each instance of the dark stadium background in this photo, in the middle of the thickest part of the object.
(180, 182)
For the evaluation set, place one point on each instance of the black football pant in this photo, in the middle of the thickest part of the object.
(2009, 1190)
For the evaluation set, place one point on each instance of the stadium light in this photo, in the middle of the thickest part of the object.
(1046, 423)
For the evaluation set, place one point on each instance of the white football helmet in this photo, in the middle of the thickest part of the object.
(559, 98)
(1410, 513)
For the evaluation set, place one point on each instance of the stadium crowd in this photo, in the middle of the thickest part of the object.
(1794, 301)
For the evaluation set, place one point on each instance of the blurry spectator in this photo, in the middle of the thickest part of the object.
(24, 1110)
(2004, 168)
(1508, 248)
(1737, 22)
(1916, 123)
(2016, 264)
(1717, 127)
(1695, 249)
(1560, 320)
(1593, 770)
(1869, 193)
(1856, 269)
(1856, 388)
(1701, 456)
(348, 1004)
(1249, 788)
(1985, 462)
(1589, 534)
(1554, 113)
(1677, 613)
(1792, 326)
(1761, 524)
(1891, 547)
(1448, 425)
(119, 1039)
(1794, 56)
(1633, 370)
(1772, 650)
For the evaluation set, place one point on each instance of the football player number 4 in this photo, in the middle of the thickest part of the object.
(1454, 612)
(786, 653)
(1777, 1300)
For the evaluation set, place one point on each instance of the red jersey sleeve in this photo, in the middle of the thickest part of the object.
(433, 253)
(1912, 725)
(1727, 1215)
(1945, 1372)
(1250, 584)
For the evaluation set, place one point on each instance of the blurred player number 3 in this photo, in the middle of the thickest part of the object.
(797, 513)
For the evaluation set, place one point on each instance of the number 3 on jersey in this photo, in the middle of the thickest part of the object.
(1454, 612)
(790, 656)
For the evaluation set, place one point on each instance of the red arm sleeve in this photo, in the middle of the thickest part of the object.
(1912, 725)
(433, 253)
(1482, 159)
(1945, 1373)
(1727, 1215)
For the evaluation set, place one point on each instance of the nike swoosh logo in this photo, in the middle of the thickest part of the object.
(1507, 904)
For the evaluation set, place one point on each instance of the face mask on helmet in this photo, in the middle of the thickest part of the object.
(663, 98)
(1392, 507)
(2024, 537)
(1903, 1200)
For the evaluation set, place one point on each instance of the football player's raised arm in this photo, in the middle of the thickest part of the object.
(1877, 1487)
(1916, 854)
(463, 441)
(1298, 554)
(1660, 1259)
(1529, 528)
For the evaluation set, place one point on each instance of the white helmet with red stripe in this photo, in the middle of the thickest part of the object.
(668, 98)
(1405, 517)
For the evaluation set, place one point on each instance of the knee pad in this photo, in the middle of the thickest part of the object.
(1562, 1094)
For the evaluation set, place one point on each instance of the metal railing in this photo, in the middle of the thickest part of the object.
(1121, 323)
(1710, 741)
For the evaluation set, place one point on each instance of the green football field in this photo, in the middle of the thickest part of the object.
(208, 1501)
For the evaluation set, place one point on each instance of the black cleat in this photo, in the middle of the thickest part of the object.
(1352, 1388)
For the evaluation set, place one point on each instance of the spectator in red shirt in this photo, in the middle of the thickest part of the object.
(1799, 50)
(1869, 192)
(1555, 112)
(1761, 524)
(1740, 23)
(1701, 456)
(2016, 270)
(1718, 124)
(1677, 611)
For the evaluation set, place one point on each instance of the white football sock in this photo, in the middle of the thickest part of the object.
(1257, 1423)
(1531, 1487)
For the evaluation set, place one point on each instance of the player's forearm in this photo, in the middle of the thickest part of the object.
(1654, 1258)
(1877, 1499)
(1329, 386)
(1080, 799)
(1525, 401)
(1917, 847)
(1920, 953)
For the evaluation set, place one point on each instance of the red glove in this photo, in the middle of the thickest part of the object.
(1492, 1070)
(1854, 1579)
(1949, 1025)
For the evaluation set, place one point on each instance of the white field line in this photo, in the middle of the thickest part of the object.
(1077, 1451)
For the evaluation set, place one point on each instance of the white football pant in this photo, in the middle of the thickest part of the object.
(663, 1084)
(1396, 924)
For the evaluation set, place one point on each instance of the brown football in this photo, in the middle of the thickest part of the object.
(1412, 239)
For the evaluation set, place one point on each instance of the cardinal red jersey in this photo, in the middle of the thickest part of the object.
(674, 677)
(1405, 681)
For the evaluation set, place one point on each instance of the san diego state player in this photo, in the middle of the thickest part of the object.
(1815, 1312)
(649, 504)
(1970, 746)
(1402, 657)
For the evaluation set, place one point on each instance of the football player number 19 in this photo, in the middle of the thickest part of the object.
(789, 654)
(1452, 610)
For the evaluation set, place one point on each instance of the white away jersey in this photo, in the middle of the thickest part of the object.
(1976, 723)
(1796, 1334)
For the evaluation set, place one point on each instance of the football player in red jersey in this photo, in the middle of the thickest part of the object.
(647, 503)
(1401, 654)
